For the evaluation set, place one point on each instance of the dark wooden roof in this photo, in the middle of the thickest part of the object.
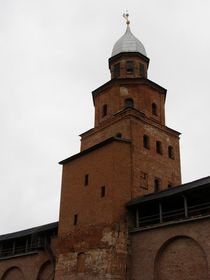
(30, 231)
(200, 183)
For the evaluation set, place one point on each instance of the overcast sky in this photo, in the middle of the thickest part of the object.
(54, 53)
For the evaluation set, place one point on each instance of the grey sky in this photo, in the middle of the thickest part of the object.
(54, 53)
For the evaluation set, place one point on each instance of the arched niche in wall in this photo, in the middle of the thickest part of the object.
(13, 273)
(46, 271)
(81, 262)
(181, 258)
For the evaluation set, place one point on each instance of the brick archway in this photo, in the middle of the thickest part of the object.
(46, 271)
(181, 258)
(13, 273)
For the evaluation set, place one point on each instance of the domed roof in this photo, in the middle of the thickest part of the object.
(128, 43)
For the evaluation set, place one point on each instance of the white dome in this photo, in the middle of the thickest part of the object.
(128, 43)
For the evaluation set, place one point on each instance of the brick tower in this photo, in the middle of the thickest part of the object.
(129, 153)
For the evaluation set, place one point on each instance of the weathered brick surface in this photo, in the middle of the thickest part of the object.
(93, 252)
(179, 251)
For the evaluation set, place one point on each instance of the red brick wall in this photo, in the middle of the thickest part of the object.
(179, 251)
(142, 95)
(107, 166)
(27, 267)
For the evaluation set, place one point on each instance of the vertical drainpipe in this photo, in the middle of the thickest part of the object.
(185, 207)
(13, 247)
(160, 212)
(137, 217)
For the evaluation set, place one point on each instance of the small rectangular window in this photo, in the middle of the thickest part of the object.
(104, 110)
(146, 141)
(75, 219)
(154, 109)
(159, 147)
(103, 191)
(86, 179)
(117, 70)
(156, 185)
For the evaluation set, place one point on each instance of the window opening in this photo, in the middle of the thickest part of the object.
(169, 185)
(129, 103)
(142, 69)
(119, 135)
(104, 110)
(129, 67)
(146, 141)
(117, 70)
(171, 152)
(86, 179)
(157, 185)
(75, 219)
(158, 147)
(154, 109)
(103, 191)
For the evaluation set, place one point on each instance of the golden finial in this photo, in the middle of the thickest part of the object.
(126, 15)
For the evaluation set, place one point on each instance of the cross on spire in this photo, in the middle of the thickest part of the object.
(126, 15)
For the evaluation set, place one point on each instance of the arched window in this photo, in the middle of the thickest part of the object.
(117, 70)
(141, 70)
(171, 152)
(129, 103)
(81, 262)
(129, 67)
(154, 109)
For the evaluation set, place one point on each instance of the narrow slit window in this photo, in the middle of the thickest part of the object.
(86, 179)
(156, 185)
(171, 152)
(159, 147)
(146, 141)
(154, 109)
(129, 67)
(104, 110)
(75, 219)
(117, 70)
(103, 191)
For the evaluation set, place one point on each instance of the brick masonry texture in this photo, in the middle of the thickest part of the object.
(179, 251)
